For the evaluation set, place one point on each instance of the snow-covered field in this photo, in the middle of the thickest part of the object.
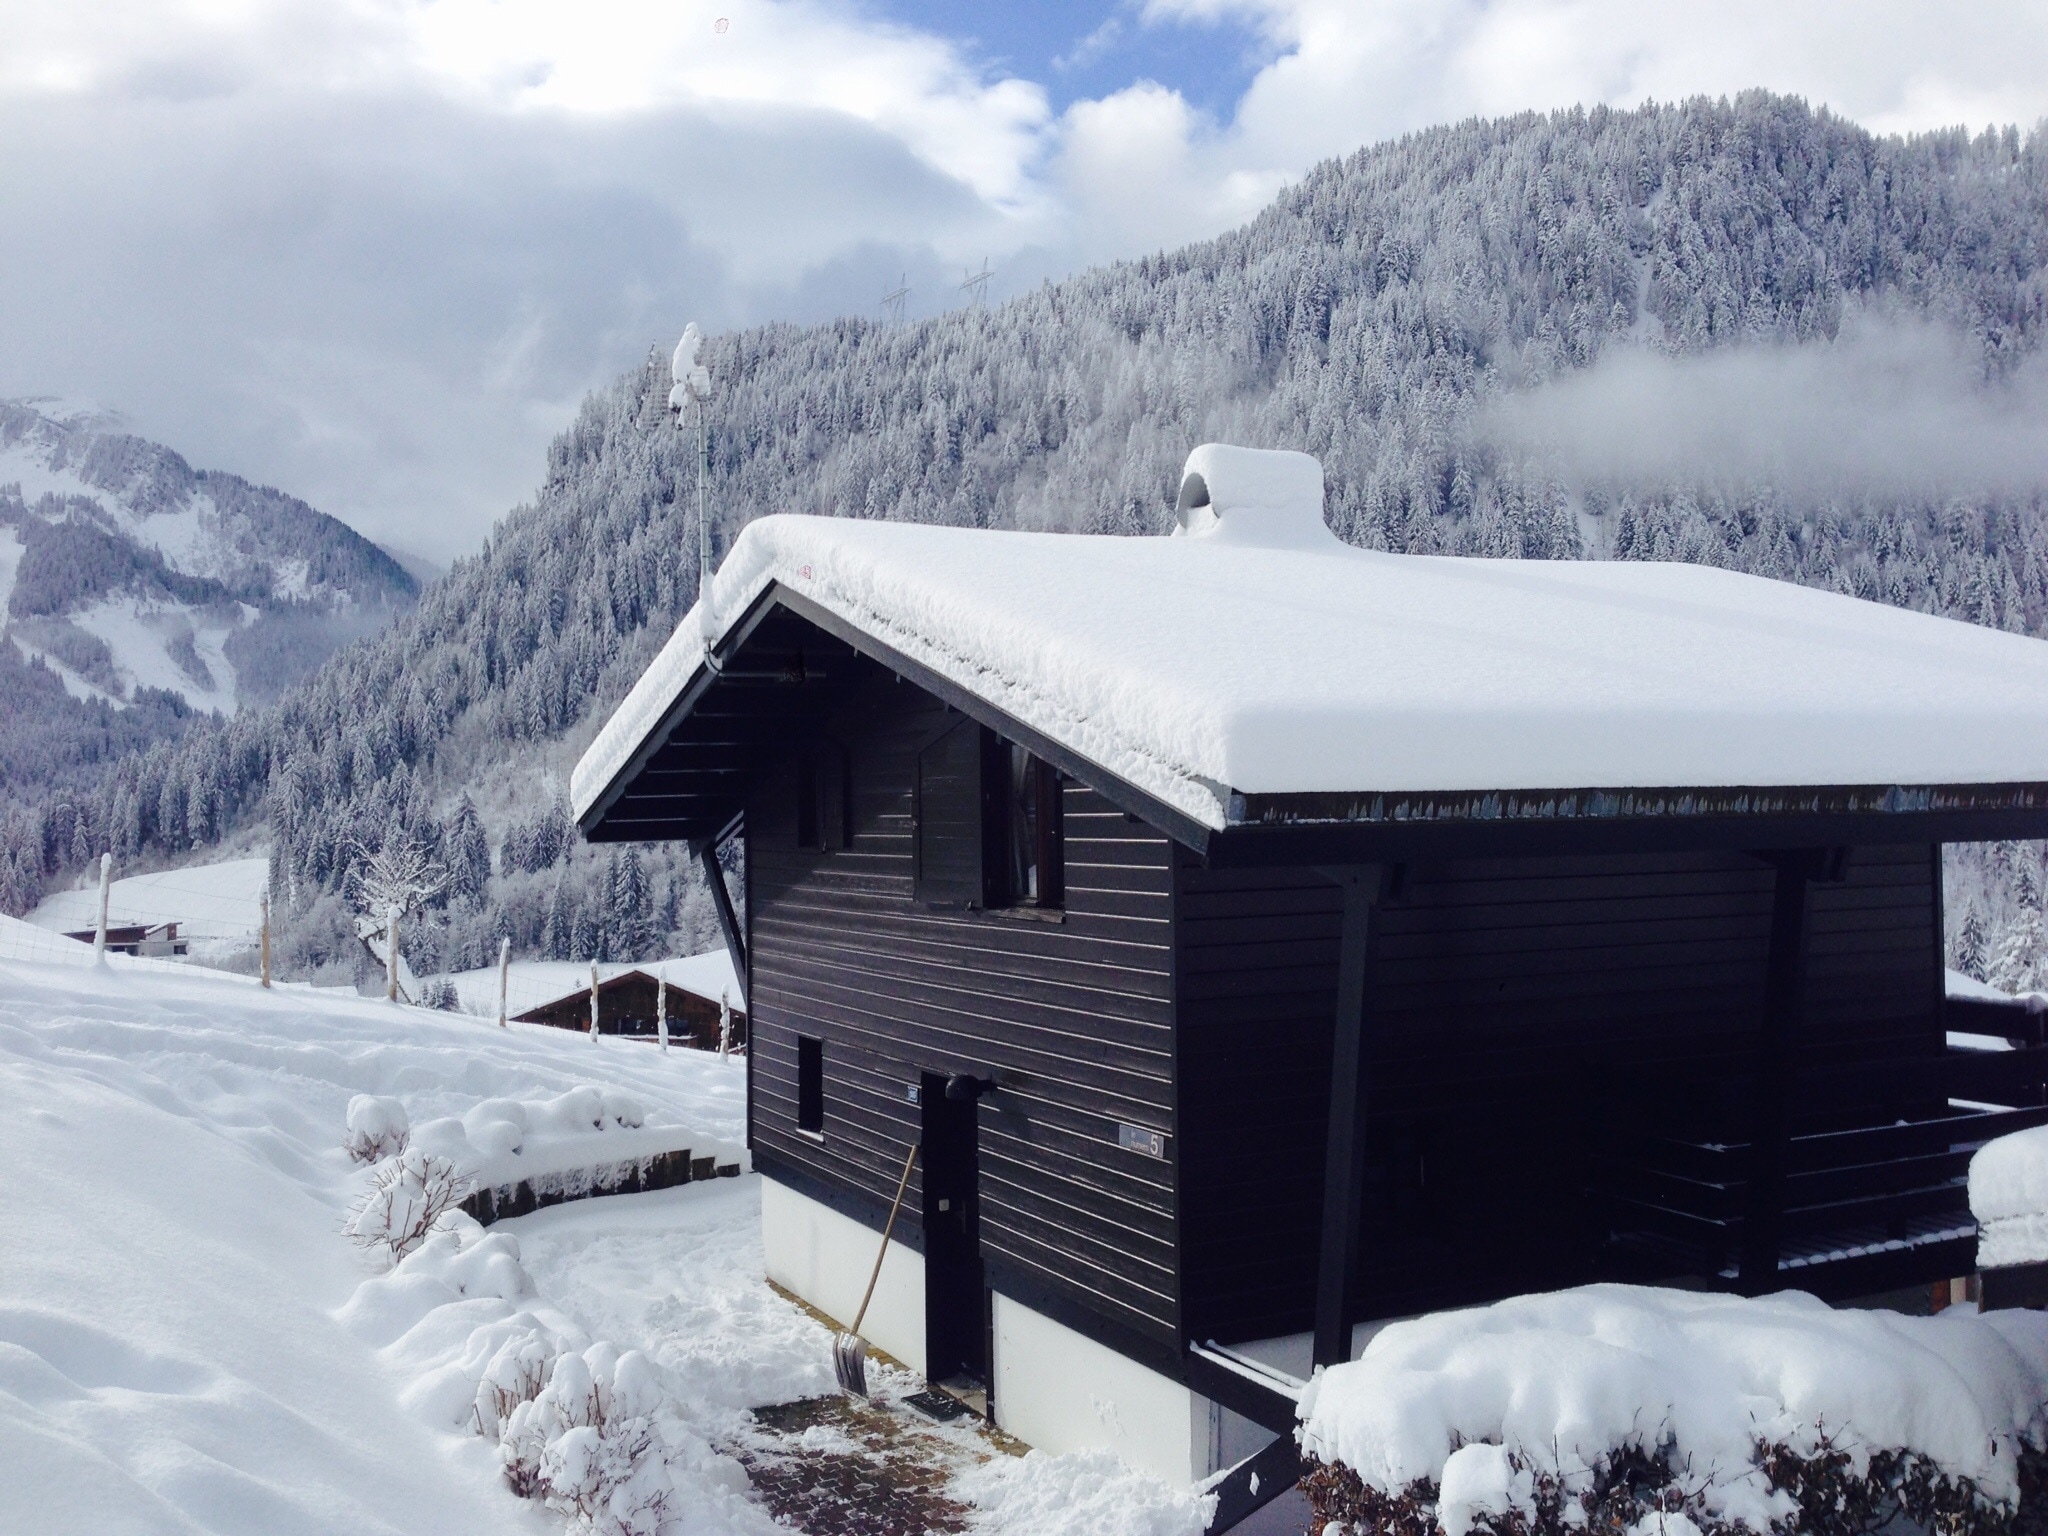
(210, 903)
(189, 1343)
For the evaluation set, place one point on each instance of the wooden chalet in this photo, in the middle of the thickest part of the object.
(629, 1003)
(151, 939)
(1264, 938)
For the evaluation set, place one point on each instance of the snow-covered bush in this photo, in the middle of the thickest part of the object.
(1826, 1491)
(1660, 1413)
(377, 1128)
(440, 993)
(589, 1443)
(495, 1127)
(409, 1196)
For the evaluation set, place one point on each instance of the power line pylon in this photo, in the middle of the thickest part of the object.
(976, 286)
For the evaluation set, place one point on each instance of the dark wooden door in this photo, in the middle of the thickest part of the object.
(956, 1333)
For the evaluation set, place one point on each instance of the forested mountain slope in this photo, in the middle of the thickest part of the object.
(136, 592)
(1385, 314)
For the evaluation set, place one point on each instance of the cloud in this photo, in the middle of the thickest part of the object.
(375, 250)
(388, 305)
(1889, 408)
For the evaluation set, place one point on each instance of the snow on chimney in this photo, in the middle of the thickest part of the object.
(1257, 496)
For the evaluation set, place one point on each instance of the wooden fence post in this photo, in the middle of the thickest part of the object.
(265, 942)
(661, 1007)
(504, 976)
(391, 953)
(99, 938)
(593, 1002)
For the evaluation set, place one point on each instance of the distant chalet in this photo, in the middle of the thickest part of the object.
(1264, 937)
(629, 1002)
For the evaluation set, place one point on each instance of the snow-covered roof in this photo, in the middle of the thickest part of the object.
(1254, 652)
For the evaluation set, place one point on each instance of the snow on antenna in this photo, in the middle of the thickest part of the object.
(977, 285)
(693, 388)
(892, 302)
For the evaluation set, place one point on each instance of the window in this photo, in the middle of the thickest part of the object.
(947, 849)
(824, 812)
(810, 1085)
(987, 823)
(1030, 872)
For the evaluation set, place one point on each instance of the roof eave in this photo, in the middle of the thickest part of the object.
(1366, 826)
(1120, 792)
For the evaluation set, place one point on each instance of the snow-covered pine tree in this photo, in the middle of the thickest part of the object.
(2018, 965)
(468, 854)
(628, 907)
(1968, 948)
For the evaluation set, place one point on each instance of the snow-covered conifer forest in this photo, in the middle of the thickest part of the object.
(1381, 315)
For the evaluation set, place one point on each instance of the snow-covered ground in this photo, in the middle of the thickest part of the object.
(212, 904)
(189, 1343)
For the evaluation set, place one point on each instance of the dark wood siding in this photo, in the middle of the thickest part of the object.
(1519, 1010)
(1072, 1015)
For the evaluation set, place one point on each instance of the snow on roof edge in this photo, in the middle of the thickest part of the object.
(757, 561)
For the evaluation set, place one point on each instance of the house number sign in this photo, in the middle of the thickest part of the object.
(1134, 1138)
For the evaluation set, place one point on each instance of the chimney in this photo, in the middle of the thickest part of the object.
(1271, 499)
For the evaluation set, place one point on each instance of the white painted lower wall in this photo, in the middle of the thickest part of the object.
(826, 1258)
(1059, 1390)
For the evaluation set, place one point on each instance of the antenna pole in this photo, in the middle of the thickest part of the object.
(703, 527)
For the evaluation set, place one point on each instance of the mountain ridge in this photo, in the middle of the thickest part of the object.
(133, 585)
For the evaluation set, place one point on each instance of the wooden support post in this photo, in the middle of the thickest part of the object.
(721, 898)
(724, 1024)
(1784, 1007)
(504, 977)
(593, 1001)
(265, 942)
(661, 1007)
(1344, 1153)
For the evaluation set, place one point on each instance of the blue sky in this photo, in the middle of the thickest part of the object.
(1080, 51)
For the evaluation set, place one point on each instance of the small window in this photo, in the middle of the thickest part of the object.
(810, 1085)
(1030, 869)
(823, 811)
